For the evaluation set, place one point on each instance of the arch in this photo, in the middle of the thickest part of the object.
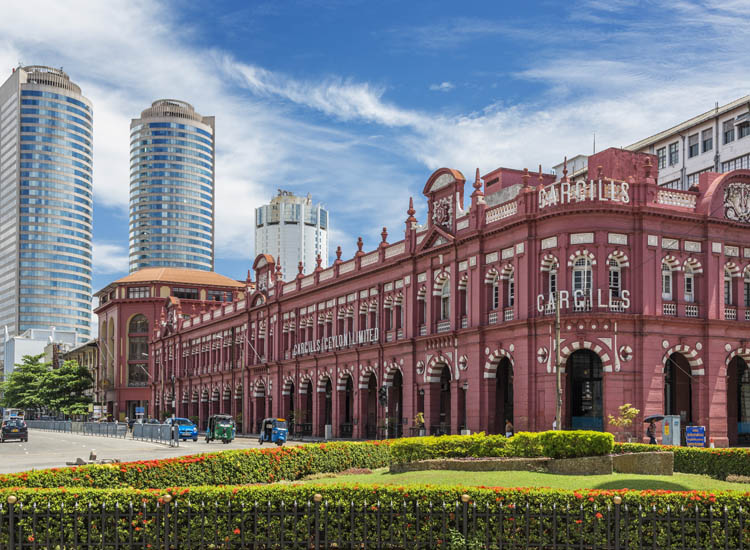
(549, 263)
(585, 381)
(620, 257)
(440, 279)
(696, 363)
(288, 387)
(503, 395)
(341, 381)
(323, 380)
(693, 265)
(259, 388)
(678, 386)
(581, 253)
(463, 282)
(304, 382)
(215, 394)
(493, 360)
(507, 271)
(671, 262)
(195, 397)
(204, 395)
(365, 376)
(738, 400)
(435, 366)
(566, 350)
(421, 293)
(226, 393)
(138, 323)
(732, 268)
(390, 373)
(744, 353)
(238, 391)
(491, 276)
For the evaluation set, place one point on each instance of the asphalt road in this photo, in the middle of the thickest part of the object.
(52, 449)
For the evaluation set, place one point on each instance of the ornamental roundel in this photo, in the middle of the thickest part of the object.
(420, 367)
(541, 355)
(737, 202)
(441, 211)
(626, 353)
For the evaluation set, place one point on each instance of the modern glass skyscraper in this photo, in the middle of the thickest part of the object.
(46, 202)
(172, 187)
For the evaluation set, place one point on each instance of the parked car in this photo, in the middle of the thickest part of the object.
(14, 429)
(188, 430)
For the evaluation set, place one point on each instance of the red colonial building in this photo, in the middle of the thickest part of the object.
(455, 317)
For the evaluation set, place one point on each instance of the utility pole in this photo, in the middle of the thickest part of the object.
(558, 375)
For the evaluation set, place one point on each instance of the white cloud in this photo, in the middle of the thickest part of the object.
(109, 258)
(442, 87)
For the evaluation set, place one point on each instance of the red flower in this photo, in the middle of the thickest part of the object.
(31, 538)
(599, 515)
(236, 531)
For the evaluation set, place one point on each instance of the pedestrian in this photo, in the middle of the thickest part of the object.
(508, 428)
(554, 423)
(651, 433)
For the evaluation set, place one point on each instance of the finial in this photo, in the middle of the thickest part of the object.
(359, 246)
(248, 277)
(599, 170)
(338, 253)
(384, 235)
(648, 167)
(300, 267)
(525, 177)
(540, 173)
(411, 211)
(318, 261)
(477, 181)
(565, 169)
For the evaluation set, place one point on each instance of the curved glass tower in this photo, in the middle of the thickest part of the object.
(46, 202)
(172, 187)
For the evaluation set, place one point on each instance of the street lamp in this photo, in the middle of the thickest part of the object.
(174, 397)
(466, 393)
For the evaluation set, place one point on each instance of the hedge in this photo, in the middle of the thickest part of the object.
(228, 517)
(552, 444)
(717, 463)
(237, 467)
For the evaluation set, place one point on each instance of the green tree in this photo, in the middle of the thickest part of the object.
(64, 389)
(23, 388)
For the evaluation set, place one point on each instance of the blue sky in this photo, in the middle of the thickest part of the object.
(358, 102)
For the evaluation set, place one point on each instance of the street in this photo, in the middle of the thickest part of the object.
(52, 449)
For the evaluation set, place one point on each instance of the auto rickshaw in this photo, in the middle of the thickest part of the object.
(220, 426)
(273, 430)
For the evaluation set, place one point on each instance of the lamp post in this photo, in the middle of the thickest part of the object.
(466, 394)
(174, 397)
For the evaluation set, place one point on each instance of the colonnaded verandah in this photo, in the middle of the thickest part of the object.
(456, 316)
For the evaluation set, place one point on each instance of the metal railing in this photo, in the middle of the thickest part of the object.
(50, 425)
(105, 429)
(319, 524)
(157, 433)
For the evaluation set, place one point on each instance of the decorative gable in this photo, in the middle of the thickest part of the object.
(445, 193)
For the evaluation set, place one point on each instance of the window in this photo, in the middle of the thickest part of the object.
(511, 290)
(674, 154)
(736, 163)
(185, 293)
(661, 155)
(614, 278)
(727, 288)
(445, 301)
(689, 285)
(552, 282)
(582, 276)
(219, 296)
(707, 137)
(495, 294)
(693, 148)
(746, 285)
(743, 130)
(139, 292)
(666, 282)
(728, 131)
(138, 325)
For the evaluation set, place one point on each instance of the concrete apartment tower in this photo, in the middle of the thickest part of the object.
(292, 229)
(172, 187)
(46, 203)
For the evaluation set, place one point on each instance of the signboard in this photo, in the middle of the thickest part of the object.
(322, 345)
(572, 192)
(140, 410)
(695, 436)
(602, 299)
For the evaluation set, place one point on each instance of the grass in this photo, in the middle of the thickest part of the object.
(676, 482)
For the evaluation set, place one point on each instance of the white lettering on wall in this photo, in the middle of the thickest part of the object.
(565, 193)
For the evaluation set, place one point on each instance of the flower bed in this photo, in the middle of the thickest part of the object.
(222, 468)
(403, 517)
(717, 463)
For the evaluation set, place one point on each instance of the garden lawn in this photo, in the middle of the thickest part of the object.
(676, 482)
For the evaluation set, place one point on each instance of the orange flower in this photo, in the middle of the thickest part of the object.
(599, 515)
(236, 531)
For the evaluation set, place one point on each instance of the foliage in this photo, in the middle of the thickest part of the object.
(426, 517)
(410, 449)
(221, 468)
(717, 463)
(572, 444)
(524, 444)
(627, 413)
(22, 389)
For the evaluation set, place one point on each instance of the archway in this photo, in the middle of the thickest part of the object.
(308, 410)
(440, 401)
(204, 409)
(503, 395)
(226, 405)
(260, 405)
(396, 405)
(370, 399)
(346, 406)
(738, 401)
(287, 404)
(678, 388)
(238, 408)
(325, 405)
(585, 383)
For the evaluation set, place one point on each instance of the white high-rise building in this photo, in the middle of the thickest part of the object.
(172, 187)
(292, 229)
(46, 202)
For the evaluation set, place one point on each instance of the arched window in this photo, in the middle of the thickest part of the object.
(138, 324)
(746, 286)
(666, 282)
(689, 284)
(615, 278)
(493, 291)
(582, 276)
(728, 297)
(552, 283)
(445, 300)
(511, 289)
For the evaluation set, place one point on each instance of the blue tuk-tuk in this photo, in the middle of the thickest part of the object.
(273, 430)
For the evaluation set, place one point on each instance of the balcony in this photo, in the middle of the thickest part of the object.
(137, 383)
(444, 326)
(730, 313)
(389, 336)
(691, 310)
(669, 308)
(617, 306)
(422, 330)
(747, 315)
(400, 333)
(492, 317)
(508, 314)
(464, 322)
(582, 306)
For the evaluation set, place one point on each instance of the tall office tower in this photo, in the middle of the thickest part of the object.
(172, 187)
(292, 229)
(46, 202)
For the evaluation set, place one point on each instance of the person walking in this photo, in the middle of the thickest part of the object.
(651, 433)
(508, 428)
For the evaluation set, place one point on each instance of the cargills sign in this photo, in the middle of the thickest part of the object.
(332, 343)
(565, 192)
(583, 298)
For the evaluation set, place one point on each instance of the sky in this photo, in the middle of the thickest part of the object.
(358, 102)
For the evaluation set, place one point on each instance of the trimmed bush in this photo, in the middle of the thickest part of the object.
(717, 463)
(411, 449)
(573, 444)
(228, 518)
(524, 444)
(223, 468)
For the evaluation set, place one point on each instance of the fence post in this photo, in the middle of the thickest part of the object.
(618, 501)
(465, 501)
(167, 498)
(12, 499)
(317, 498)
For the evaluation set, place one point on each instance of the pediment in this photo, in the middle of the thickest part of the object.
(435, 238)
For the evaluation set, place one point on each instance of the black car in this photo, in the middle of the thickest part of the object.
(13, 429)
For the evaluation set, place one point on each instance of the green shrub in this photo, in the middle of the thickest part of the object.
(225, 517)
(411, 449)
(524, 444)
(572, 444)
(717, 463)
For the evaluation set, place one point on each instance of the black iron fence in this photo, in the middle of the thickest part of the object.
(316, 524)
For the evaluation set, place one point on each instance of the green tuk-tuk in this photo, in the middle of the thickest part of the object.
(220, 426)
